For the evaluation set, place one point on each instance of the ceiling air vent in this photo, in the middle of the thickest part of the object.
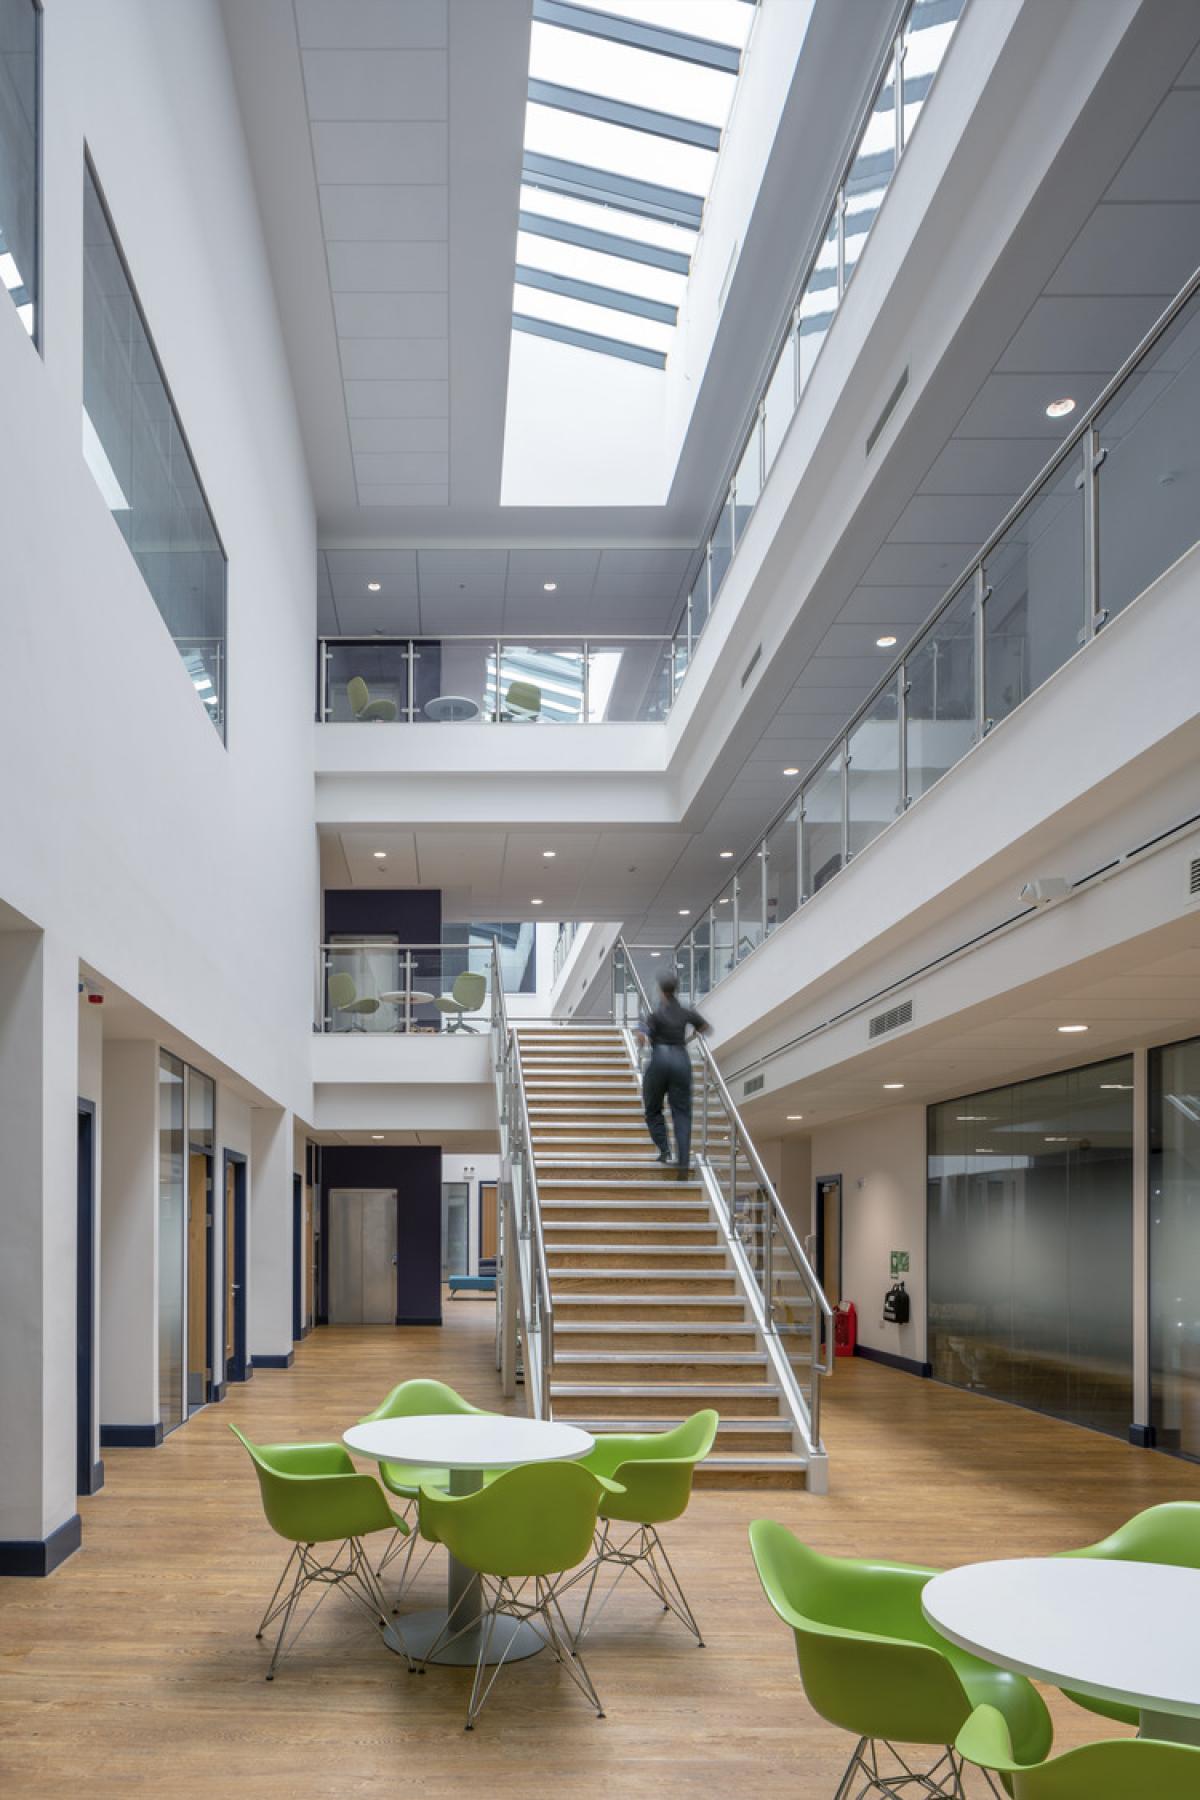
(1194, 877)
(889, 1020)
(752, 1084)
(750, 667)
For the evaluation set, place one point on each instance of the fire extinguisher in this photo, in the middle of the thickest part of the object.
(845, 1329)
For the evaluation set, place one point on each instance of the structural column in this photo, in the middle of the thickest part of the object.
(129, 1399)
(269, 1303)
(39, 1061)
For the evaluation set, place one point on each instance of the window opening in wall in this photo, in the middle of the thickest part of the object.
(20, 83)
(134, 444)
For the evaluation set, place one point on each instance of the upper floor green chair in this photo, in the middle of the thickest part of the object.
(1168, 1533)
(522, 1532)
(872, 1663)
(410, 1400)
(1120, 1769)
(345, 997)
(312, 1494)
(466, 996)
(362, 705)
(655, 1471)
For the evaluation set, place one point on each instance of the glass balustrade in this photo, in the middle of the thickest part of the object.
(376, 986)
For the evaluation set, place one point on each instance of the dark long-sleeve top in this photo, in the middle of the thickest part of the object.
(668, 1024)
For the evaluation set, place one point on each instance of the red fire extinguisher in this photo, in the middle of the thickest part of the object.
(845, 1329)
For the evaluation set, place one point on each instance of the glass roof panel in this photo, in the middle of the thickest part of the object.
(593, 265)
(722, 21)
(610, 219)
(620, 72)
(599, 145)
(563, 309)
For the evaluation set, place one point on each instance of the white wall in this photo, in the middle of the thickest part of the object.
(881, 1160)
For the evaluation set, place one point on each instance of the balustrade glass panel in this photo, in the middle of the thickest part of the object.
(721, 934)
(172, 1226)
(541, 683)
(1149, 482)
(779, 403)
(819, 301)
(927, 34)
(750, 904)
(872, 169)
(19, 157)
(720, 550)
(873, 779)
(1033, 613)
(1175, 1246)
(821, 826)
(747, 483)
(629, 681)
(700, 603)
(702, 980)
(940, 673)
(366, 681)
(783, 868)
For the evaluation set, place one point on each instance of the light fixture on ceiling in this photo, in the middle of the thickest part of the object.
(795, 1118)
(1059, 409)
(654, 954)
(971, 1118)
(893, 1084)
(549, 587)
(725, 855)
(535, 903)
(379, 855)
(685, 912)
(885, 643)
(1044, 889)
(791, 771)
(1057, 1140)
(377, 1137)
(1066, 1028)
(373, 587)
(724, 901)
(984, 1150)
(1116, 1087)
(549, 855)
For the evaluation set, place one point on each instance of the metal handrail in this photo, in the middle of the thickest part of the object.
(973, 571)
(821, 1363)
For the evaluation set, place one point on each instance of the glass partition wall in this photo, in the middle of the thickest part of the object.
(186, 1149)
(1030, 1222)
(1174, 1229)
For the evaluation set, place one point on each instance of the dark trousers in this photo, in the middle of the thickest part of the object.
(668, 1076)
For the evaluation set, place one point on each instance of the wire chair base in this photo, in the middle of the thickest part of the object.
(356, 1579)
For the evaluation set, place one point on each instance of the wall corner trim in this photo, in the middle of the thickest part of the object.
(95, 1479)
(131, 1437)
(272, 1362)
(1144, 1436)
(436, 1319)
(39, 1556)
(908, 1365)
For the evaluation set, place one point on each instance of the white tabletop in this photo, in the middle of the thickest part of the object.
(451, 708)
(467, 1441)
(1125, 1631)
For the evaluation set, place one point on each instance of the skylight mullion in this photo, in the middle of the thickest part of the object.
(607, 243)
(600, 269)
(572, 288)
(662, 233)
(658, 38)
(621, 112)
(619, 72)
(589, 340)
(606, 189)
(602, 144)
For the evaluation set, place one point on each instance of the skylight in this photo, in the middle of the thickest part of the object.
(627, 103)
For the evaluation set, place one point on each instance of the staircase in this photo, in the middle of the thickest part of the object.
(650, 1318)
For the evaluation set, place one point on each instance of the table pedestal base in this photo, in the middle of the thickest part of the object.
(511, 1638)
(1173, 1728)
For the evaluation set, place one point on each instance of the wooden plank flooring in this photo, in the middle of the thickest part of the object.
(134, 1670)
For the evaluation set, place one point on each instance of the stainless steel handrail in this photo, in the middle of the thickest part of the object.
(821, 1363)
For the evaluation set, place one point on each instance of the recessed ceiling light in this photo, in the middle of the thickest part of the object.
(1072, 1028)
(1116, 1087)
(984, 1150)
(549, 587)
(724, 901)
(1058, 409)
(549, 855)
(377, 1136)
(791, 771)
(373, 587)
(893, 1084)
(795, 1117)
(1057, 1140)
(655, 953)
(971, 1118)
(685, 912)
(379, 855)
(884, 643)
(535, 903)
(725, 855)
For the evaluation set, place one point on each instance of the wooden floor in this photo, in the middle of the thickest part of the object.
(134, 1670)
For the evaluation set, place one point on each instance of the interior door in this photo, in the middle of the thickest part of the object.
(362, 1256)
(198, 1371)
(489, 1219)
(455, 1204)
(829, 1236)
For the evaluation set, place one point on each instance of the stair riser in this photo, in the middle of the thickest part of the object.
(660, 1342)
(659, 1406)
(629, 1373)
(633, 1194)
(698, 1311)
(557, 1213)
(742, 1440)
(653, 1283)
(606, 1257)
(775, 1480)
(583, 1232)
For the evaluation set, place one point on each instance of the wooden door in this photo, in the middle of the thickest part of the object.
(199, 1372)
(489, 1228)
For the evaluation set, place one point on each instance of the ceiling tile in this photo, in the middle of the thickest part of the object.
(573, 571)
(397, 399)
(1063, 334)
(638, 573)
(371, 24)
(375, 84)
(388, 153)
(384, 213)
(462, 574)
(399, 435)
(380, 493)
(374, 613)
(1015, 405)
(391, 315)
(425, 467)
(1146, 249)
(950, 518)
(919, 565)
(987, 466)
(423, 360)
(350, 571)
(458, 613)
(416, 268)
(906, 606)
(1163, 164)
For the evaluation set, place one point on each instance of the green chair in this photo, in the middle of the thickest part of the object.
(362, 705)
(312, 1494)
(344, 997)
(656, 1471)
(529, 1526)
(523, 701)
(1120, 1769)
(1168, 1533)
(466, 996)
(414, 1399)
(872, 1663)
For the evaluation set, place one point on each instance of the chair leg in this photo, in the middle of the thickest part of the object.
(641, 1552)
(943, 1779)
(357, 1580)
(272, 1609)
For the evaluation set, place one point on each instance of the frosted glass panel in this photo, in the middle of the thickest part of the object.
(1175, 1246)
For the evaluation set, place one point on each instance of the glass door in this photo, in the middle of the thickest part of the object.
(454, 1228)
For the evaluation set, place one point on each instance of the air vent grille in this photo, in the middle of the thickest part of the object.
(752, 1084)
(748, 671)
(891, 1019)
(1194, 877)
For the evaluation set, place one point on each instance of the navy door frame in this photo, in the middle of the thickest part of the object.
(89, 1474)
(239, 1367)
(297, 1257)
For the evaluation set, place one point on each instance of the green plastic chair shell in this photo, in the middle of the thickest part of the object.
(1121, 1769)
(313, 1494)
(869, 1659)
(655, 1469)
(362, 705)
(1168, 1533)
(412, 1400)
(523, 700)
(345, 997)
(534, 1520)
(466, 996)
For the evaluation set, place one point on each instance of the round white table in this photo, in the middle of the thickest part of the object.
(1126, 1631)
(467, 1444)
(407, 998)
(451, 709)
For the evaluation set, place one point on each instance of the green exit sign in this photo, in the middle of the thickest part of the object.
(899, 1262)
